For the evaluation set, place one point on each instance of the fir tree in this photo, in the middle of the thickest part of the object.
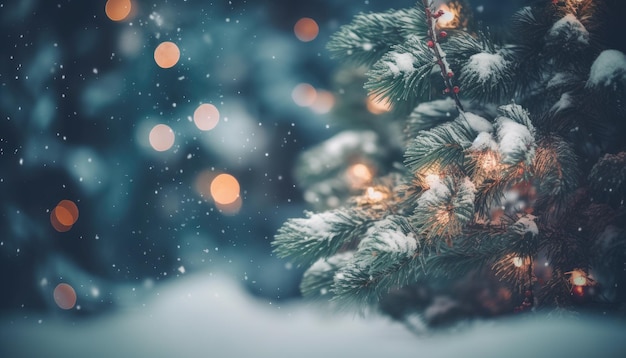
(510, 192)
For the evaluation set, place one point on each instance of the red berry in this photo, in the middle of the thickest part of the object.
(528, 293)
(450, 74)
(443, 34)
(456, 89)
(447, 90)
(430, 44)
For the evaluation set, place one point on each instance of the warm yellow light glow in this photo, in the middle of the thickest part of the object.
(517, 261)
(206, 116)
(578, 278)
(359, 174)
(64, 296)
(374, 195)
(304, 94)
(489, 161)
(377, 106)
(161, 137)
(306, 29)
(225, 189)
(117, 10)
(167, 54)
(448, 17)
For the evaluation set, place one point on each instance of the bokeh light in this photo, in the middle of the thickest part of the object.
(377, 106)
(359, 175)
(306, 29)
(64, 215)
(304, 94)
(448, 17)
(161, 137)
(225, 189)
(230, 209)
(64, 296)
(206, 116)
(117, 10)
(323, 103)
(167, 54)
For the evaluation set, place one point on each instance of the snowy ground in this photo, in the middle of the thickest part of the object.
(213, 317)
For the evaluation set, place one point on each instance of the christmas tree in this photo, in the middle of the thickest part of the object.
(508, 193)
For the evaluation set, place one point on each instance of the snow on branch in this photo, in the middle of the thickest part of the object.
(444, 208)
(486, 76)
(402, 73)
(318, 279)
(319, 235)
(516, 135)
(441, 146)
(388, 256)
(608, 70)
(369, 36)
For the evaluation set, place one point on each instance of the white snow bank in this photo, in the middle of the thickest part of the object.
(211, 317)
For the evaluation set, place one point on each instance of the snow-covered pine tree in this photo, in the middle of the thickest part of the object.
(510, 196)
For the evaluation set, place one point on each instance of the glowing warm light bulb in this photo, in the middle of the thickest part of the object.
(517, 261)
(206, 116)
(161, 137)
(224, 189)
(447, 18)
(167, 54)
(304, 94)
(64, 296)
(117, 10)
(306, 29)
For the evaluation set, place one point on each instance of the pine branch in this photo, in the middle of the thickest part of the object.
(387, 257)
(440, 147)
(402, 73)
(487, 77)
(318, 280)
(607, 179)
(319, 235)
(428, 115)
(440, 55)
(515, 135)
(555, 176)
(444, 209)
(369, 36)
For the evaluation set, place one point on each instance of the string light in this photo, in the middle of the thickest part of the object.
(374, 195)
(578, 278)
(517, 261)
(447, 18)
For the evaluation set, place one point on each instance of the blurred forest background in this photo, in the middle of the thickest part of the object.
(80, 95)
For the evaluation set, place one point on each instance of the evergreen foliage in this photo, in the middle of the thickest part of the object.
(525, 188)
